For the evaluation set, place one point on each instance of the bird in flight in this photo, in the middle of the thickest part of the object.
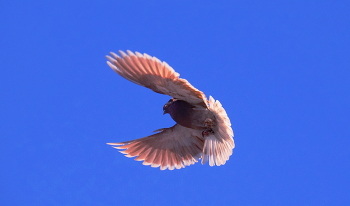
(202, 130)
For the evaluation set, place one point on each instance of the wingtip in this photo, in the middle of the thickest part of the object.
(114, 143)
(138, 54)
(130, 53)
(110, 59)
(114, 55)
(112, 66)
(122, 53)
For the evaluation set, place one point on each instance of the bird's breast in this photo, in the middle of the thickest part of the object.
(184, 114)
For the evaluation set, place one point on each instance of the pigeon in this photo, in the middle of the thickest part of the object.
(202, 130)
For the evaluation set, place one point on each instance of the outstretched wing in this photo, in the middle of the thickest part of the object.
(150, 72)
(174, 147)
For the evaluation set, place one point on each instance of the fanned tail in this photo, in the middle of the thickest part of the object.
(219, 145)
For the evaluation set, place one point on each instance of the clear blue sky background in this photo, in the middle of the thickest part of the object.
(280, 69)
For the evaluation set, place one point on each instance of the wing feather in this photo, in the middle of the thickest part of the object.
(158, 76)
(174, 147)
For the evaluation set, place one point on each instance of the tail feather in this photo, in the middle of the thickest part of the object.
(218, 146)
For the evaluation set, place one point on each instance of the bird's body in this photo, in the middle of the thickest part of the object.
(203, 130)
(187, 115)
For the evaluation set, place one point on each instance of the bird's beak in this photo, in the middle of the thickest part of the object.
(164, 112)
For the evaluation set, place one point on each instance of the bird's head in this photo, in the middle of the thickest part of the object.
(166, 106)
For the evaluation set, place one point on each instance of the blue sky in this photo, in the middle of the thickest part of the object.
(280, 69)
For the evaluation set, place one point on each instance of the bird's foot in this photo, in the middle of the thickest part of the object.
(207, 132)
